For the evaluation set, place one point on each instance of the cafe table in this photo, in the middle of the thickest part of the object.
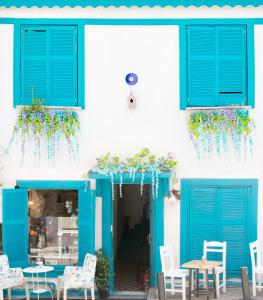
(204, 265)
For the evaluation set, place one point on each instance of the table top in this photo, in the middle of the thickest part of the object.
(199, 264)
(38, 269)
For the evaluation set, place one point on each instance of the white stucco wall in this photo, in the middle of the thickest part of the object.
(107, 124)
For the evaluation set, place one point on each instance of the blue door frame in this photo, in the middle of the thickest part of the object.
(104, 190)
(186, 184)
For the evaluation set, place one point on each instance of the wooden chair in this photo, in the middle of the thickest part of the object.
(175, 280)
(217, 247)
(257, 267)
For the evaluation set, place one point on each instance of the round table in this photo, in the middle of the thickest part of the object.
(40, 285)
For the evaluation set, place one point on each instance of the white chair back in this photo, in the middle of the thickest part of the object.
(255, 254)
(215, 247)
(167, 261)
(90, 264)
(4, 264)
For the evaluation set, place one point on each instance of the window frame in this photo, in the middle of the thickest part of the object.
(249, 65)
(80, 61)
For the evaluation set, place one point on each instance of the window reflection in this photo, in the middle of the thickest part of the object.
(53, 226)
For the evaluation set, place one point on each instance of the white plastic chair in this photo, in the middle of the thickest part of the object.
(257, 267)
(11, 277)
(217, 247)
(175, 279)
(79, 277)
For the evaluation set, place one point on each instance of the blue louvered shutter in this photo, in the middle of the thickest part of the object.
(86, 223)
(201, 66)
(231, 64)
(63, 65)
(34, 64)
(15, 226)
(49, 64)
(234, 226)
(203, 219)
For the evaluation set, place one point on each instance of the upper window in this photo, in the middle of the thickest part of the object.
(49, 65)
(216, 66)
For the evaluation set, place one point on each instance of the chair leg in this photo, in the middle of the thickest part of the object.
(172, 285)
(184, 288)
(217, 285)
(85, 294)
(9, 294)
(224, 282)
(1, 294)
(259, 282)
(254, 285)
(92, 294)
(27, 292)
(65, 294)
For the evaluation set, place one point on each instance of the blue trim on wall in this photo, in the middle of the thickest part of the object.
(127, 3)
(17, 56)
(252, 207)
(53, 184)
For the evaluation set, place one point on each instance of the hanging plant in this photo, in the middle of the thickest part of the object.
(36, 123)
(220, 129)
(143, 162)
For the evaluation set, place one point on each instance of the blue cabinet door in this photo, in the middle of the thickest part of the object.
(15, 226)
(86, 223)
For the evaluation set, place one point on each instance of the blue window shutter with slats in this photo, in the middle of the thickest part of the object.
(49, 64)
(216, 65)
(203, 216)
(86, 223)
(234, 224)
(15, 226)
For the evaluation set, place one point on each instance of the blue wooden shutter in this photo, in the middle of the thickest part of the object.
(201, 65)
(49, 64)
(86, 223)
(231, 65)
(15, 226)
(233, 226)
(63, 65)
(34, 63)
(203, 219)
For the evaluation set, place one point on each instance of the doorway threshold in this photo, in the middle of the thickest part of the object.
(128, 295)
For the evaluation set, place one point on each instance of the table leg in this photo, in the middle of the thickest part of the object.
(1, 294)
(197, 283)
(207, 284)
(190, 284)
(214, 282)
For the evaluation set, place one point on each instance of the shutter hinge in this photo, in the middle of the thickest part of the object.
(111, 228)
(188, 100)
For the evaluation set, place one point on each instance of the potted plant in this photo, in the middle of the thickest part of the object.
(102, 275)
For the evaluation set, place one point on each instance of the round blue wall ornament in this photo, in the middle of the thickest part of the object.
(131, 79)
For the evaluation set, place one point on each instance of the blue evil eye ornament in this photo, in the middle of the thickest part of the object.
(131, 79)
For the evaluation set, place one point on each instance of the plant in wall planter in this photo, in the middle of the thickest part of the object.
(40, 125)
(102, 275)
(141, 163)
(219, 130)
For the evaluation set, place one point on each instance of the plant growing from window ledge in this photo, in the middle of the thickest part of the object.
(215, 129)
(42, 126)
(143, 162)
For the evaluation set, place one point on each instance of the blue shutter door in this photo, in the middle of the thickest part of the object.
(201, 65)
(34, 67)
(86, 223)
(231, 65)
(63, 65)
(203, 219)
(234, 226)
(15, 226)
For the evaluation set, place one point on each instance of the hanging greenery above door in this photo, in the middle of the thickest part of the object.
(41, 126)
(142, 162)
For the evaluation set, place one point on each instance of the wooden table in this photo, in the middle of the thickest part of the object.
(201, 265)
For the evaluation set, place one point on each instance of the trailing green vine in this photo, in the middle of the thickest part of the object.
(214, 129)
(38, 124)
(143, 162)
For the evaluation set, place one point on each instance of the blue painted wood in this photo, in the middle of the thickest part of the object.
(86, 223)
(128, 3)
(219, 209)
(53, 184)
(15, 226)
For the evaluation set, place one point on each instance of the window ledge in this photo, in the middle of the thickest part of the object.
(19, 107)
(219, 107)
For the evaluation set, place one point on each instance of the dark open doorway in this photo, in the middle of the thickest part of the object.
(131, 238)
